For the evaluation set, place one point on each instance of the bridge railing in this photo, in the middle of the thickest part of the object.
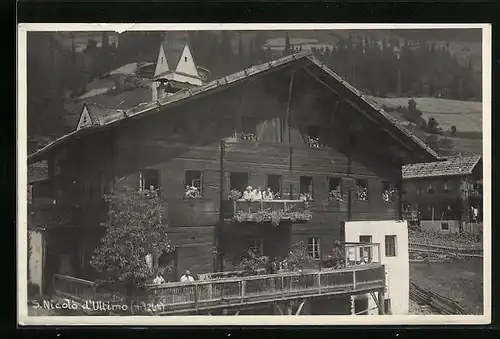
(267, 287)
(189, 296)
(74, 288)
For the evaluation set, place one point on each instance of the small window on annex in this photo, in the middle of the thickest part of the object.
(390, 245)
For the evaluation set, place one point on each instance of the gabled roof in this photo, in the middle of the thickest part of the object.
(230, 80)
(462, 165)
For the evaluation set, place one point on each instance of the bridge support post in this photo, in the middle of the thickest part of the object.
(381, 300)
(300, 307)
(277, 309)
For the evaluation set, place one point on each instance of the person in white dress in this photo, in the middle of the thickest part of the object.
(248, 194)
(257, 194)
(187, 277)
(158, 279)
(268, 195)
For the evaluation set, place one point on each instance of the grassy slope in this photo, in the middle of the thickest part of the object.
(465, 115)
(461, 281)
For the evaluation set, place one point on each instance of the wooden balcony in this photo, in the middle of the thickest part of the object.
(207, 295)
(49, 215)
(273, 211)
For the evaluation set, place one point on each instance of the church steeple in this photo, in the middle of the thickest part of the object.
(175, 67)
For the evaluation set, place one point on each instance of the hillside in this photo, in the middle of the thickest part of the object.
(465, 115)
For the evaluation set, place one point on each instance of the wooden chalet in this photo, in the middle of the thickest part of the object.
(445, 195)
(290, 124)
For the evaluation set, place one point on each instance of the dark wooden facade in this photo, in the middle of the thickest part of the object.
(280, 104)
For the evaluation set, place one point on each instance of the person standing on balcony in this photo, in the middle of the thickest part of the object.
(248, 194)
(187, 277)
(158, 279)
(257, 194)
(268, 195)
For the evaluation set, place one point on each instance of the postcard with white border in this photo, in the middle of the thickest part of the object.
(245, 174)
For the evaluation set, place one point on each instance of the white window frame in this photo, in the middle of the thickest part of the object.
(314, 247)
(200, 187)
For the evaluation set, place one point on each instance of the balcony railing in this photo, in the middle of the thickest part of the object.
(361, 254)
(220, 293)
(270, 211)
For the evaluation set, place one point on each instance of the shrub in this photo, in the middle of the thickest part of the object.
(134, 230)
(336, 257)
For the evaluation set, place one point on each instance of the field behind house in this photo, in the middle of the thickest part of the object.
(460, 280)
(465, 115)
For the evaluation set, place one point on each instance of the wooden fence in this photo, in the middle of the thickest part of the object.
(440, 303)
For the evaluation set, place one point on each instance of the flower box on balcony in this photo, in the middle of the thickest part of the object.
(273, 211)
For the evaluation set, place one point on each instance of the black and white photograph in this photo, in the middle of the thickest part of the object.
(230, 174)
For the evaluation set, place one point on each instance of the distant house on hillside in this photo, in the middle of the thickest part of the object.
(445, 196)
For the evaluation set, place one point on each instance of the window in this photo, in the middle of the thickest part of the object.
(306, 189)
(193, 184)
(430, 189)
(257, 246)
(238, 181)
(185, 59)
(390, 245)
(367, 251)
(446, 187)
(274, 182)
(362, 189)
(335, 189)
(388, 192)
(313, 248)
(445, 226)
(313, 135)
(149, 178)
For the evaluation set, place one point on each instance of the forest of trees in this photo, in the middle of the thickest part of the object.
(56, 73)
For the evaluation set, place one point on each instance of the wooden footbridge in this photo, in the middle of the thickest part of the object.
(287, 292)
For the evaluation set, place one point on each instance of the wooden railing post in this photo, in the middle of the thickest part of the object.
(196, 296)
(319, 282)
(354, 280)
(284, 206)
(282, 287)
(243, 285)
(94, 291)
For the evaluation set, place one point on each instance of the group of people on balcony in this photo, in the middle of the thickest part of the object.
(257, 194)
